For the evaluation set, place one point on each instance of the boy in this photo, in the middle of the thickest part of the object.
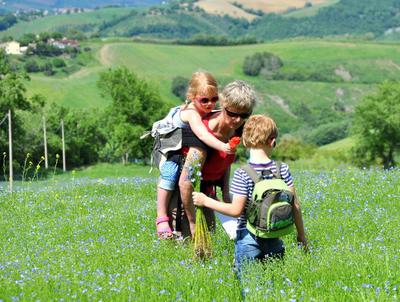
(259, 136)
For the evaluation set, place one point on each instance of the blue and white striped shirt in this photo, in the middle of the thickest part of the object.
(243, 185)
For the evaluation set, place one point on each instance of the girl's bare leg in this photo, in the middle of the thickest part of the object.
(163, 227)
(194, 156)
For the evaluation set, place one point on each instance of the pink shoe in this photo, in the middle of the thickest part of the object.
(163, 233)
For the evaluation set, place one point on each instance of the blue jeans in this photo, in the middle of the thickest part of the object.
(248, 247)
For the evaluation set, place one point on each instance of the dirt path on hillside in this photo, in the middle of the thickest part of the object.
(281, 103)
(104, 58)
(105, 55)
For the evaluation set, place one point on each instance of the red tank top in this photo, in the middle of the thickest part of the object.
(217, 161)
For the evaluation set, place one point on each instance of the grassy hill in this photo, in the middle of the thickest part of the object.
(368, 63)
(87, 21)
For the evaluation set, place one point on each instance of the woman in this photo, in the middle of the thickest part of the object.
(237, 102)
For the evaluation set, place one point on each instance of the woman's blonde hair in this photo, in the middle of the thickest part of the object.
(257, 130)
(239, 95)
(202, 83)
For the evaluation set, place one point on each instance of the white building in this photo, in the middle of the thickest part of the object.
(12, 48)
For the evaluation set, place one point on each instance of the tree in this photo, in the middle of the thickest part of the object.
(179, 87)
(135, 106)
(12, 97)
(377, 126)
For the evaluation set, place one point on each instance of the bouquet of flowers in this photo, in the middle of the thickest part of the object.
(202, 239)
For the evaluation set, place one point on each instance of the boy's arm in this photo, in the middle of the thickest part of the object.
(298, 220)
(201, 131)
(233, 209)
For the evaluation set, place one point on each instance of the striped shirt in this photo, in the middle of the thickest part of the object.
(243, 185)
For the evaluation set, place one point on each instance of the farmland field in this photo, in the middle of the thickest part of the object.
(84, 238)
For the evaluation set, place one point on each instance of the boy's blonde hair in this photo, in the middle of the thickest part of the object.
(257, 130)
(202, 83)
(239, 95)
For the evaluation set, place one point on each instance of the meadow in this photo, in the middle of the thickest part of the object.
(87, 236)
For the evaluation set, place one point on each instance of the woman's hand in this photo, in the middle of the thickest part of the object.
(228, 149)
(199, 199)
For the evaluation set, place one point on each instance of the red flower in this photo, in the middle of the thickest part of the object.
(234, 141)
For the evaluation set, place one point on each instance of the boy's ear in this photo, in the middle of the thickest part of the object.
(272, 142)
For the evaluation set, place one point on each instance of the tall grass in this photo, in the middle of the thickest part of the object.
(94, 239)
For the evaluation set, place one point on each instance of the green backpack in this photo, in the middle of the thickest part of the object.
(270, 211)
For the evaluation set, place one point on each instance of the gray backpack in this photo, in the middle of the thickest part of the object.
(167, 138)
(270, 211)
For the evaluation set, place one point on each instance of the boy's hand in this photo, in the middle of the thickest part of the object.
(303, 243)
(199, 199)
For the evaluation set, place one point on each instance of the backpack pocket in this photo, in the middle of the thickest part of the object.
(279, 216)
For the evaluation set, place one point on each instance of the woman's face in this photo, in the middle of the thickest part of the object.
(235, 117)
(205, 103)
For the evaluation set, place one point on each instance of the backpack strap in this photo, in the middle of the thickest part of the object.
(252, 173)
(278, 170)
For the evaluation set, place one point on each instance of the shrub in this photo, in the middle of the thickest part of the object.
(47, 69)
(179, 87)
(31, 66)
(58, 63)
(265, 63)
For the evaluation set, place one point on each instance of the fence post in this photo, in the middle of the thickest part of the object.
(11, 176)
(46, 163)
(63, 146)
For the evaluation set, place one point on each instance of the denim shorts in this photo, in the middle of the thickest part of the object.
(249, 247)
(169, 173)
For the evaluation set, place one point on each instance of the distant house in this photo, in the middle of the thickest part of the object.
(64, 42)
(12, 48)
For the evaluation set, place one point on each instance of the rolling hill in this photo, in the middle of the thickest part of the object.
(300, 106)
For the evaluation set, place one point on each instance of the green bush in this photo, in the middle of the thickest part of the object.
(31, 66)
(58, 63)
(265, 63)
(179, 87)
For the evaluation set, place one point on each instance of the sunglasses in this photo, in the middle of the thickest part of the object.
(205, 100)
(243, 116)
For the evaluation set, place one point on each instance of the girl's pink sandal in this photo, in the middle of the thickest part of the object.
(164, 233)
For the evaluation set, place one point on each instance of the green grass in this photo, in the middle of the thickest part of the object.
(87, 239)
(342, 145)
(102, 170)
